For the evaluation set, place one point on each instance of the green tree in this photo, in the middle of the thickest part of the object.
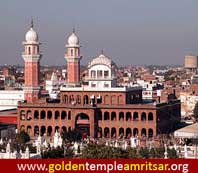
(22, 137)
(132, 153)
(159, 152)
(68, 152)
(195, 111)
(53, 153)
(73, 135)
(172, 153)
(144, 153)
(103, 152)
(152, 153)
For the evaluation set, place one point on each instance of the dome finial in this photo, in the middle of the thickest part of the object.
(73, 39)
(102, 51)
(73, 30)
(32, 23)
(31, 35)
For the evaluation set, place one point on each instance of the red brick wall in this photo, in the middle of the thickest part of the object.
(73, 72)
(32, 74)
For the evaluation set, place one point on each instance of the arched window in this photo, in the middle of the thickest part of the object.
(36, 130)
(121, 116)
(64, 129)
(143, 132)
(121, 132)
(43, 130)
(71, 99)
(29, 130)
(63, 115)
(29, 50)
(86, 99)
(69, 129)
(42, 114)
(135, 116)
(22, 115)
(113, 132)
(57, 115)
(120, 99)
(78, 99)
(22, 128)
(150, 133)
(29, 115)
(93, 74)
(128, 116)
(49, 131)
(106, 99)
(128, 133)
(66, 99)
(113, 100)
(49, 115)
(106, 132)
(113, 116)
(72, 52)
(135, 132)
(106, 116)
(36, 115)
(150, 116)
(143, 116)
(57, 128)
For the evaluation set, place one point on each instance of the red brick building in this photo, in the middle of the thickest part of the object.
(98, 109)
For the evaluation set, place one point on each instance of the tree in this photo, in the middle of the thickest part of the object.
(156, 152)
(132, 153)
(195, 111)
(73, 135)
(103, 152)
(22, 137)
(144, 153)
(172, 153)
(53, 153)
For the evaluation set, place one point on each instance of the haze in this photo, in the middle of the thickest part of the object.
(130, 31)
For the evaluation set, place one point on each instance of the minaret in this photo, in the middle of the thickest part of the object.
(31, 56)
(73, 58)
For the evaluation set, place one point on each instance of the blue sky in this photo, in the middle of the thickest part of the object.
(130, 31)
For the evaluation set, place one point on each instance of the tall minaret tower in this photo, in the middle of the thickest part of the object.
(73, 58)
(31, 56)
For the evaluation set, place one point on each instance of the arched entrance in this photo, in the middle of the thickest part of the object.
(82, 123)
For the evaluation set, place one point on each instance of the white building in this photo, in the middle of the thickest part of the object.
(53, 85)
(102, 72)
(9, 99)
(150, 89)
(188, 102)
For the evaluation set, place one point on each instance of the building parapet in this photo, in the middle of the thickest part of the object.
(113, 89)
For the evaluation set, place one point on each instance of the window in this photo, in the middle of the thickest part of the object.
(29, 50)
(106, 85)
(72, 52)
(99, 99)
(99, 73)
(93, 74)
(93, 85)
(106, 74)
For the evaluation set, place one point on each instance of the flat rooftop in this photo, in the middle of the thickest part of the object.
(112, 89)
(11, 112)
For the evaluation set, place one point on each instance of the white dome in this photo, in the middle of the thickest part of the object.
(73, 39)
(101, 59)
(31, 35)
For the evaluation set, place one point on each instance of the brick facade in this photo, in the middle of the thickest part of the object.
(111, 118)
